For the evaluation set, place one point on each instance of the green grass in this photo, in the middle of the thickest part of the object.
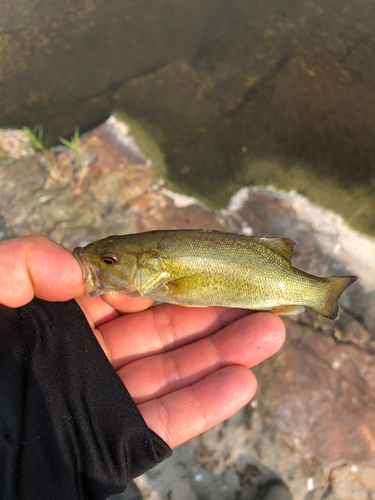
(74, 142)
(35, 137)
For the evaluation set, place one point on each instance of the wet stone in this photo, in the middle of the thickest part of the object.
(330, 387)
(156, 209)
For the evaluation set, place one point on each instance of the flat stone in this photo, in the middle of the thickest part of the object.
(156, 209)
(62, 195)
(119, 173)
(321, 394)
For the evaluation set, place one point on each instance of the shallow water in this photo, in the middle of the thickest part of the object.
(220, 95)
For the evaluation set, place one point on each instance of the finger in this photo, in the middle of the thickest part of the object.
(163, 328)
(183, 414)
(124, 304)
(245, 342)
(34, 265)
(96, 311)
(103, 309)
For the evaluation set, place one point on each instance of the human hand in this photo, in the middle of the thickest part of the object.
(185, 368)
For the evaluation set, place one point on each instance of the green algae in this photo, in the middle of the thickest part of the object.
(146, 139)
(5, 38)
(196, 173)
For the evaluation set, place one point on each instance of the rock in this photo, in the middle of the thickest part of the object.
(163, 209)
(13, 144)
(69, 196)
(327, 392)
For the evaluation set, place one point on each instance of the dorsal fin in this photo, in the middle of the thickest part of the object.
(282, 246)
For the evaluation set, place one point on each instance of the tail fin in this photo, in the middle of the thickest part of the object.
(335, 287)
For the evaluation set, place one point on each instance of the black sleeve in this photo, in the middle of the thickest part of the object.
(68, 427)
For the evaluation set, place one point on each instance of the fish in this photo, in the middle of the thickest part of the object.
(201, 268)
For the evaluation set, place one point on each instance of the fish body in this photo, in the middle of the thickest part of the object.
(208, 268)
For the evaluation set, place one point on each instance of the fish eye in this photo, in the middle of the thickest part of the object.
(108, 259)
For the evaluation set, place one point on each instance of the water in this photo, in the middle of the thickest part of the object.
(220, 94)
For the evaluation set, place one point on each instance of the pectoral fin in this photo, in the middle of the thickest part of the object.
(287, 310)
(151, 274)
(178, 291)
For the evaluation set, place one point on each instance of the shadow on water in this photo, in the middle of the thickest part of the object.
(220, 95)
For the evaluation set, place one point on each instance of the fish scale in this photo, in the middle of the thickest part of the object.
(208, 268)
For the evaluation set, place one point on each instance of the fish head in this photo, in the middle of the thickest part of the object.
(105, 268)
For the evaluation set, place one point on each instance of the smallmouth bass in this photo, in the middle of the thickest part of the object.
(208, 268)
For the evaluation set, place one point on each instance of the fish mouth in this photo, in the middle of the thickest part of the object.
(90, 274)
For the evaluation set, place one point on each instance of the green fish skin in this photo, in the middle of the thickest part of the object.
(208, 268)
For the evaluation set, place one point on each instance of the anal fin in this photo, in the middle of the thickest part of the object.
(287, 310)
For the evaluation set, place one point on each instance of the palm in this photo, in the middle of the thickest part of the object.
(185, 368)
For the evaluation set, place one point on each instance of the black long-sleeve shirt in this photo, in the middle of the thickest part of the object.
(68, 427)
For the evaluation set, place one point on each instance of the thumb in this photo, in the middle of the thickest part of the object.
(36, 266)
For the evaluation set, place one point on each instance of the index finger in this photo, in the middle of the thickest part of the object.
(37, 266)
